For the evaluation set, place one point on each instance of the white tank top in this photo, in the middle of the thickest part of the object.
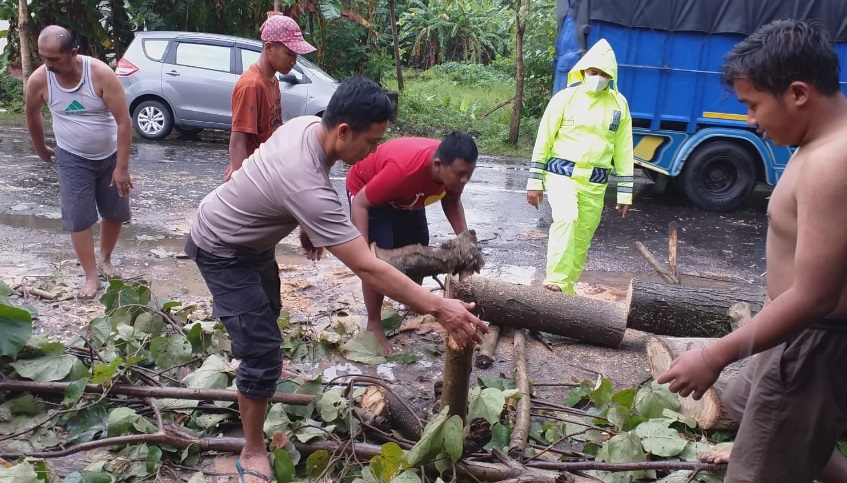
(82, 123)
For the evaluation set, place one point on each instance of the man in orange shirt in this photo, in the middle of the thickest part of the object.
(256, 106)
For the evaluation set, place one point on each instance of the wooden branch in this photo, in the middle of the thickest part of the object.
(536, 308)
(673, 242)
(459, 255)
(147, 391)
(458, 364)
(657, 266)
(639, 466)
(24, 291)
(228, 445)
(485, 357)
(520, 433)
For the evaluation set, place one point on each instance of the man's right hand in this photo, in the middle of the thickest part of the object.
(47, 154)
(534, 197)
(454, 316)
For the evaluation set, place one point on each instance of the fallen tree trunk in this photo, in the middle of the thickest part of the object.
(709, 412)
(149, 391)
(485, 357)
(520, 433)
(459, 255)
(684, 311)
(458, 364)
(536, 308)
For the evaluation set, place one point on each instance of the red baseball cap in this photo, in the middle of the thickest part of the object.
(282, 29)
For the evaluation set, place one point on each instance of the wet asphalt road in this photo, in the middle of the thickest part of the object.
(173, 175)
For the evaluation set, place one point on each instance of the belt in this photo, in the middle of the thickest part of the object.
(835, 324)
(565, 168)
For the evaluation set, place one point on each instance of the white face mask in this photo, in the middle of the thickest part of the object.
(596, 83)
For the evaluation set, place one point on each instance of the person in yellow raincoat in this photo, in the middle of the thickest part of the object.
(586, 130)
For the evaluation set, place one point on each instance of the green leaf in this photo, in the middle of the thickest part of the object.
(330, 10)
(209, 420)
(167, 306)
(103, 372)
(127, 421)
(602, 393)
(99, 330)
(5, 291)
(496, 383)
(26, 405)
(74, 392)
(149, 323)
(623, 448)
(304, 435)
(78, 371)
(452, 443)
(89, 477)
(407, 476)
(686, 477)
(312, 387)
(660, 440)
(21, 473)
(87, 424)
(552, 432)
(332, 406)
(430, 443)
(213, 374)
(170, 351)
(691, 450)
(403, 358)
(654, 398)
(500, 436)
(317, 463)
(16, 327)
(45, 368)
(364, 348)
(487, 404)
(620, 417)
(624, 397)
(391, 321)
(283, 467)
(277, 421)
(680, 418)
(577, 394)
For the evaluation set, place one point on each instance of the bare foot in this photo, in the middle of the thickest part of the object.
(106, 268)
(717, 456)
(384, 342)
(258, 463)
(90, 290)
(552, 288)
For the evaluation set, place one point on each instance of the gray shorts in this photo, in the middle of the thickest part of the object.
(84, 188)
(791, 402)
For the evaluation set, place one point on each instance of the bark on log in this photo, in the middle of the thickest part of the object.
(149, 391)
(459, 255)
(709, 412)
(458, 363)
(673, 243)
(517, 444)
(657, 266)
(536, 308)
(485, 357)
(682, 311)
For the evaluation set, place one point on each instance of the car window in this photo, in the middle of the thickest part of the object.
(155, 49)
(248, 58)
(213, 57)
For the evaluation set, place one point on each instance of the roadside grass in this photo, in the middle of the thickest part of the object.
(439, 100)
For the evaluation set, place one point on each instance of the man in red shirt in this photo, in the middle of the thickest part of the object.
(390, 188)
(256, 105)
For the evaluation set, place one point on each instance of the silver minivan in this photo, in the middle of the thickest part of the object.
(184, 81)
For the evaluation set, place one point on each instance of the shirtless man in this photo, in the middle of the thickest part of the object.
(93, 137)
(791, 400)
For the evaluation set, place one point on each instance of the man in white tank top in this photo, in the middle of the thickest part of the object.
(93, 133)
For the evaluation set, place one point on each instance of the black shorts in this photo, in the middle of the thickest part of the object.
(246, 297)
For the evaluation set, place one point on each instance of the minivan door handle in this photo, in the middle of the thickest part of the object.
(173, 73)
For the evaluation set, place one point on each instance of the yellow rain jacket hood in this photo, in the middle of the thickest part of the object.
(588, 133)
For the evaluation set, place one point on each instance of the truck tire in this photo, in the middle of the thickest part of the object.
(719, 176)
(152, 120)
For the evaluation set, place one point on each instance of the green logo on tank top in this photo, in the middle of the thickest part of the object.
(75, 107)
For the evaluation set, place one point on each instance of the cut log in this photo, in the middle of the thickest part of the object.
(485, 357)
(459, 255)
(683, 311)
(673, 243)
(536, 308)
(709, 412)
(520, 433)
(458, 364)
(739, 313)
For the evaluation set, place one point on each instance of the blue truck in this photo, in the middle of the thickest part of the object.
(688, 128)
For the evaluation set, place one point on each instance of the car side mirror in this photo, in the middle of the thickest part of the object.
(288, 79)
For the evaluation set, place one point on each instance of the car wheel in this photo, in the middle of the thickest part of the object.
(152, 120)
(650, 174)
(719, 176)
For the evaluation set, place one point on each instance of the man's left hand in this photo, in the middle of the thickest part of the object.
(622, 209)
(122, 181)
(309, 250)
(690, 374)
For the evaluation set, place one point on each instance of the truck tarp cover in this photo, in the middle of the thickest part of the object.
(711, 16)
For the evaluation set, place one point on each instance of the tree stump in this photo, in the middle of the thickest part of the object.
(684, 311)
(709, 412)
(536, 308)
